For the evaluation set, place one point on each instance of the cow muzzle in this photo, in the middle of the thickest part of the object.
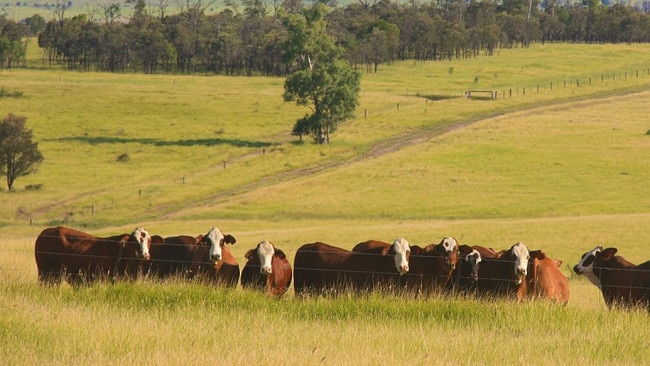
(215, 257)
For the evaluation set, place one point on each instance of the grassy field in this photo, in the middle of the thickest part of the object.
(561, 169)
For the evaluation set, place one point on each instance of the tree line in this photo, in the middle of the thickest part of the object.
(251, 38)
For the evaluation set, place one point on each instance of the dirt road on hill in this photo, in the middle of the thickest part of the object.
(396, 143)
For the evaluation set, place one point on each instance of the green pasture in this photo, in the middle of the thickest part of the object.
(560, 168)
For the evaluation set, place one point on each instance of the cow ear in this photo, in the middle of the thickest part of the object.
(537, 254)
(280, 254)
(229, 239)
(249, 253)
(558, 262)
(608, 253)
(415, 250)
(464, 249)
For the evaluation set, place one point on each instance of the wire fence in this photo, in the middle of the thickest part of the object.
(642, 275)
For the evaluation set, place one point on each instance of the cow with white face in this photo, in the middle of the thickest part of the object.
(586, 265)
(267, 268)
(144, 241)
(521, 255)
(400, 251)
(265, 252)
(216, 240)
(401, 254)
(450, 246)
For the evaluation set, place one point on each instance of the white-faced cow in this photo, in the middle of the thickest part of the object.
(505, 274)
(431, 267)
(320, 267)
(62, 252)
(621, 282)
(203, 256)
(267, 269)
(466, 274)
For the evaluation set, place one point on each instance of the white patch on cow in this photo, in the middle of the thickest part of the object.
(474, 257)
(402, 250)
(265, 252)
(144, 240)
(586, 265)
(449, 244)
(522, 255)
(215, 236)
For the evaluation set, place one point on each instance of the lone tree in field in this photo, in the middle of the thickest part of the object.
(18, 154)
(323, 80)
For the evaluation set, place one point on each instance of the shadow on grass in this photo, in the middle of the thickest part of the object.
(192, 142)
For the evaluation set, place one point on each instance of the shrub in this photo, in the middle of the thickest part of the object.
(123, 158)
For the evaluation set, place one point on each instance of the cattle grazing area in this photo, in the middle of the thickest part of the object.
(255, 240)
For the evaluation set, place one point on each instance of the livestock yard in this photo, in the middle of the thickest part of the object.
(211, 160)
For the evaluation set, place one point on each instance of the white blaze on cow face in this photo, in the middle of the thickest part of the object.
(449, 244)
(474, 259)
(521, 254)
(586, 265)
(451, 249)
(215, 237)
(265, 252)
(144, 240)
(402, 252)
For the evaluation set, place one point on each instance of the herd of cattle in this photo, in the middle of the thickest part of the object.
(66, 254)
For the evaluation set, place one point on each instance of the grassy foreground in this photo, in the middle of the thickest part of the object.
(561, 170)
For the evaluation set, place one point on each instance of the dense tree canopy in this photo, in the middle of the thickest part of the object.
(323, 81)
(19, 155)
(248, 38)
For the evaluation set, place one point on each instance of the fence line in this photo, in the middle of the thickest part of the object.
(345, 271)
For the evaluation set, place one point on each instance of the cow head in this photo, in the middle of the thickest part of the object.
(215, 239)
(450, 246)
(265, 251)
(473, 258)
(401, 254)
(143, 239)
(520, 254)
(586, 265)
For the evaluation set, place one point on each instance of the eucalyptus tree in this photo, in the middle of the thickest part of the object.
(322, 81)
(19, 155)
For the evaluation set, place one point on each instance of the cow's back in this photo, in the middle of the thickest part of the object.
(317, 266)
(250, 274)
(626, 284)
(79, 256)
(546, 281)
(173, 256)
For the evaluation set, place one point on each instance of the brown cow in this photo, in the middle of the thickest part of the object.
(465, 275)
(177, 256)
(431, 267)
(622, 283)
(544, 279)
(267, 268)
(320, 267)
(505, 273)
(205, 257)
(62, 252)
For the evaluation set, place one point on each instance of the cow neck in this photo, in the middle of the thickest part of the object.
(117, 261)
